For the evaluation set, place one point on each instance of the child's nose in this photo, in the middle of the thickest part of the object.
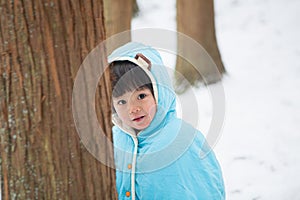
(134, 109)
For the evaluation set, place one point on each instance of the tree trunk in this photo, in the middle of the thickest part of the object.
(135, 8)
(195, 18)
(118, 15)
(42, 44)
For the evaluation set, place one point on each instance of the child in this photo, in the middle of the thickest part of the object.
(157, 155)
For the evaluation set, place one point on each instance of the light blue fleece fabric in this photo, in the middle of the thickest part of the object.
(168, 163)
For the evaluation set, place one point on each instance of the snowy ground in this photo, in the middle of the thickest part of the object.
(259, 149)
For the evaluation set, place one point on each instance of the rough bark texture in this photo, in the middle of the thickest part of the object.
(42, 44)
(195, 18)
(118, 14)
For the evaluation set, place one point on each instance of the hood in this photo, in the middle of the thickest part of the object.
(162, 86)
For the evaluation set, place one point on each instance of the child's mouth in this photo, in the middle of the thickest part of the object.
(138, 119)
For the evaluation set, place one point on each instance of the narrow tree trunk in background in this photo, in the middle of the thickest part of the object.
(135, 8)
(195, 18)
(42, 45)
(118, 15)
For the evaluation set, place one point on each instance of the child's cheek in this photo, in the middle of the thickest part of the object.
(121, 113)
(152, 111)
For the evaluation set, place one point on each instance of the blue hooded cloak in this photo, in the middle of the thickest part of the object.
(164, 160)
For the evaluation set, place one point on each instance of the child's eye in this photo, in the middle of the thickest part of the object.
(142, 96)
(121, 102)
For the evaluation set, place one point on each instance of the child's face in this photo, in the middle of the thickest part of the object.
(136, 109)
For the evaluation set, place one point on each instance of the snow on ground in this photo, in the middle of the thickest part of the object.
(259, 149)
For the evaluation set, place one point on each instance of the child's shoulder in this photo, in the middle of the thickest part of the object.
(182, 125)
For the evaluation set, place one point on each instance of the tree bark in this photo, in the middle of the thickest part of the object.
(42, 44)
(195, 18)
(118, 15)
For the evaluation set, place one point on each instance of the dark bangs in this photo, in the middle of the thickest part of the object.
(127, 77)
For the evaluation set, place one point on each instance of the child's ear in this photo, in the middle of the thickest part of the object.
(143, 60)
